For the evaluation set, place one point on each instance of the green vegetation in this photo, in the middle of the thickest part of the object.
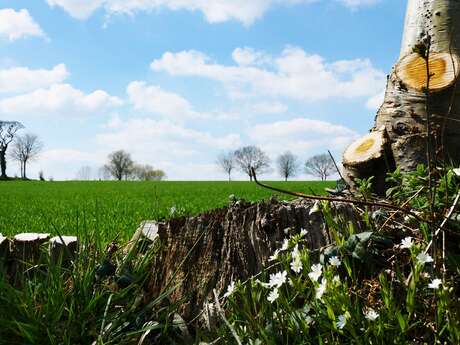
(111, 208)
(395, 283)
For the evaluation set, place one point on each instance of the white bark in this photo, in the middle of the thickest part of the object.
(433, 23)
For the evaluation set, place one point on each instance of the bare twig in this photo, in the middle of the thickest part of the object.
(350, 201)
(336, 167)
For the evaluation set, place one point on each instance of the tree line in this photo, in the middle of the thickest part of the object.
(287, 164)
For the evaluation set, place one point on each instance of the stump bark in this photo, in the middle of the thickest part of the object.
(198, 254)
(431, 44)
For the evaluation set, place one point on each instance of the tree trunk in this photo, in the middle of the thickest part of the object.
(3, 162)
(431, 34)
(24, 174)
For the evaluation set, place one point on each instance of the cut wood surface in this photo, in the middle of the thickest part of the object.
(369, 156)
(443, 68)
(431, 29)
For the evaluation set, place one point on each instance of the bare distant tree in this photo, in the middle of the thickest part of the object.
(120, 164)
(147, 173)
(252, 157)
(85, 173)
(103, 173)
(8, 130)
(320, 165)
(24, 149)
(226, 162)
(288, 165)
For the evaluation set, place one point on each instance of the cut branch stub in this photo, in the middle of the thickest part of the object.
(369, 156)
(411, 70)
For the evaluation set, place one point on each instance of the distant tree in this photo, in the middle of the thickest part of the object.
(8, 130)
(288, 165)
(85, 173)
(226, 162)
(252, 157)
(320, 165)
(147, 173)
(24, 149)
(103, 173)
(120, 164)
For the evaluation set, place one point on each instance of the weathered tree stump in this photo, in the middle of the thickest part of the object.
(25, 251)
(198, 254)
(4, 249)
(63, 249)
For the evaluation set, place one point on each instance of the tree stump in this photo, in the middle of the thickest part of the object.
(4, 250)
(25, 251)
(63, 249)
(198, 254)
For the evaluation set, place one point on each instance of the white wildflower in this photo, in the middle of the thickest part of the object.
(435, 284)
(336, 280)
(315, 209)
(342, 321)
(371, 314)
(456, 171)
(335, 261)
(277, 279)
(296, 264)
(319, 291)
(316, 271)
(308, 320)
(273, 295)
(424, 258)
(230, 289)
(275, 255)
(285, 245)
(295, 252)
(303, 232)
(406, 243)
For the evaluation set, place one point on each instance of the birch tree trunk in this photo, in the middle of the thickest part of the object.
(421, 87)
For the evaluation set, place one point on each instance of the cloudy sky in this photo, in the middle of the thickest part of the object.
(176, 82)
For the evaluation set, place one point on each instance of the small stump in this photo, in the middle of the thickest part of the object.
(63, 249)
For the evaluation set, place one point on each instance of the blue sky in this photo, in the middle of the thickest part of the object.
(176, 82)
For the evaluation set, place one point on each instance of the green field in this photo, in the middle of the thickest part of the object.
(111, 208)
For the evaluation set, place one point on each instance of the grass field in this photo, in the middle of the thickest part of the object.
(111, 208)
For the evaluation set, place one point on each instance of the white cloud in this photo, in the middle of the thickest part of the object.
(155, 100)
(23, 79)
(358, 3)
(295, 74)
(269, 108)
(248, 56)
(215, 11)
(59, 99)
(18, 24)
(80, 9)
(164, 139)
(301, 136)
